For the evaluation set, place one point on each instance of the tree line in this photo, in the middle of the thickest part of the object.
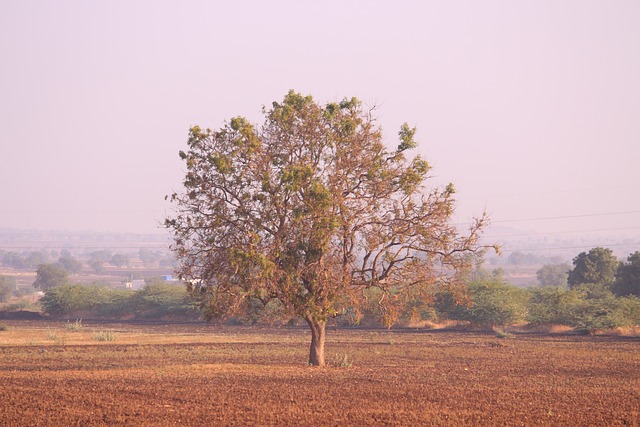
(97, 260)
(597, 295)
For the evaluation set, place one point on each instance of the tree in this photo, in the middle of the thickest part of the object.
(69, 263)
(628, 276)
(7, 286)
(34, 258)
(14, 260)
(119, 260)
(553, 274)
(147, 256)
(49, 276)
(312, 210)
(97, 259)
(598, 266)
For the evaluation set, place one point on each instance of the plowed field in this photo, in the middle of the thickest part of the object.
(192, 375)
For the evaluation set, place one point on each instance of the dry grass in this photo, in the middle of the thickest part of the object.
(205, 375)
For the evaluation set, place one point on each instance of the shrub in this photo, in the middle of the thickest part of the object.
(107, 335)
(492, 303)
(162, 299)
(341, 361)
(551, 305)
(75, 326)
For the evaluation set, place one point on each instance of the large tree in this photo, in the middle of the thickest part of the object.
(598, 266)
(49, 276)
(312, 211)
(628, 276)
(553, 274)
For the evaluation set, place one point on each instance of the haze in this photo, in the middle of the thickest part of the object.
(531, 108)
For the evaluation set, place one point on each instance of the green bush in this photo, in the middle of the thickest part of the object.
(492, 303)
(587, 308)
(154, 301)
(160, 300)
(552, 305)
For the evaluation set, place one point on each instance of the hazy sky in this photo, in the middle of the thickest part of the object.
(531, 108)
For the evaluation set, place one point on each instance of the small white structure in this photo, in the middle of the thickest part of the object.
(135, 284)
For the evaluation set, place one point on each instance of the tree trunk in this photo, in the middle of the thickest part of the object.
(316, 351)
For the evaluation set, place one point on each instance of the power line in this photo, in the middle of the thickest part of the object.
(553, 233)
(558, 248)
(565, 217)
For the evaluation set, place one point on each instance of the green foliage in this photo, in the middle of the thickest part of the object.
(154, 301)
(628, 276)
(25, 260)
(496, 304)
(14, 260)
(312, 209)
(69, 299)
(628, 311)
(49, 276)
(119, 260)
(164, 300)
(97, 259)
(601, 310)
(553, 274)
(597, 266)
(7, 287)
(588, 308)
(553, 306)
(492, 303)
(70, 264)
(149, 257)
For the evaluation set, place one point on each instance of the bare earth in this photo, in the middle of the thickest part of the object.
(198, 374)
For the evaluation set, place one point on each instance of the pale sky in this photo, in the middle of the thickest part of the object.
(531, 108)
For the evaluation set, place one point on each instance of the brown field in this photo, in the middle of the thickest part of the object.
(197, 374)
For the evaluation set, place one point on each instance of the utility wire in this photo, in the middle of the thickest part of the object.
(565, 217)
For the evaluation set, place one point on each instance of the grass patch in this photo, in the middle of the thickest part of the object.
(343, 361)
(502, 334)
(51, 335)
(75, 326)
(106, 335)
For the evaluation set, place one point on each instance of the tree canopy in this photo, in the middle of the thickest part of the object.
(311, 210)
(598, 266)
(553, 274)
(49, 276)
(628, 276)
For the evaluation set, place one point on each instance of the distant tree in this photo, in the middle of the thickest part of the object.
(97, 259)
(70, 264)
(15, 260)
(147, 256)
(628, 276)
(311, 210)
(98, 266)
(119, 260)
(36, 258)
(7, 286)
(49, 276)
(598, 266)
(516, 258)
(553, 274)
